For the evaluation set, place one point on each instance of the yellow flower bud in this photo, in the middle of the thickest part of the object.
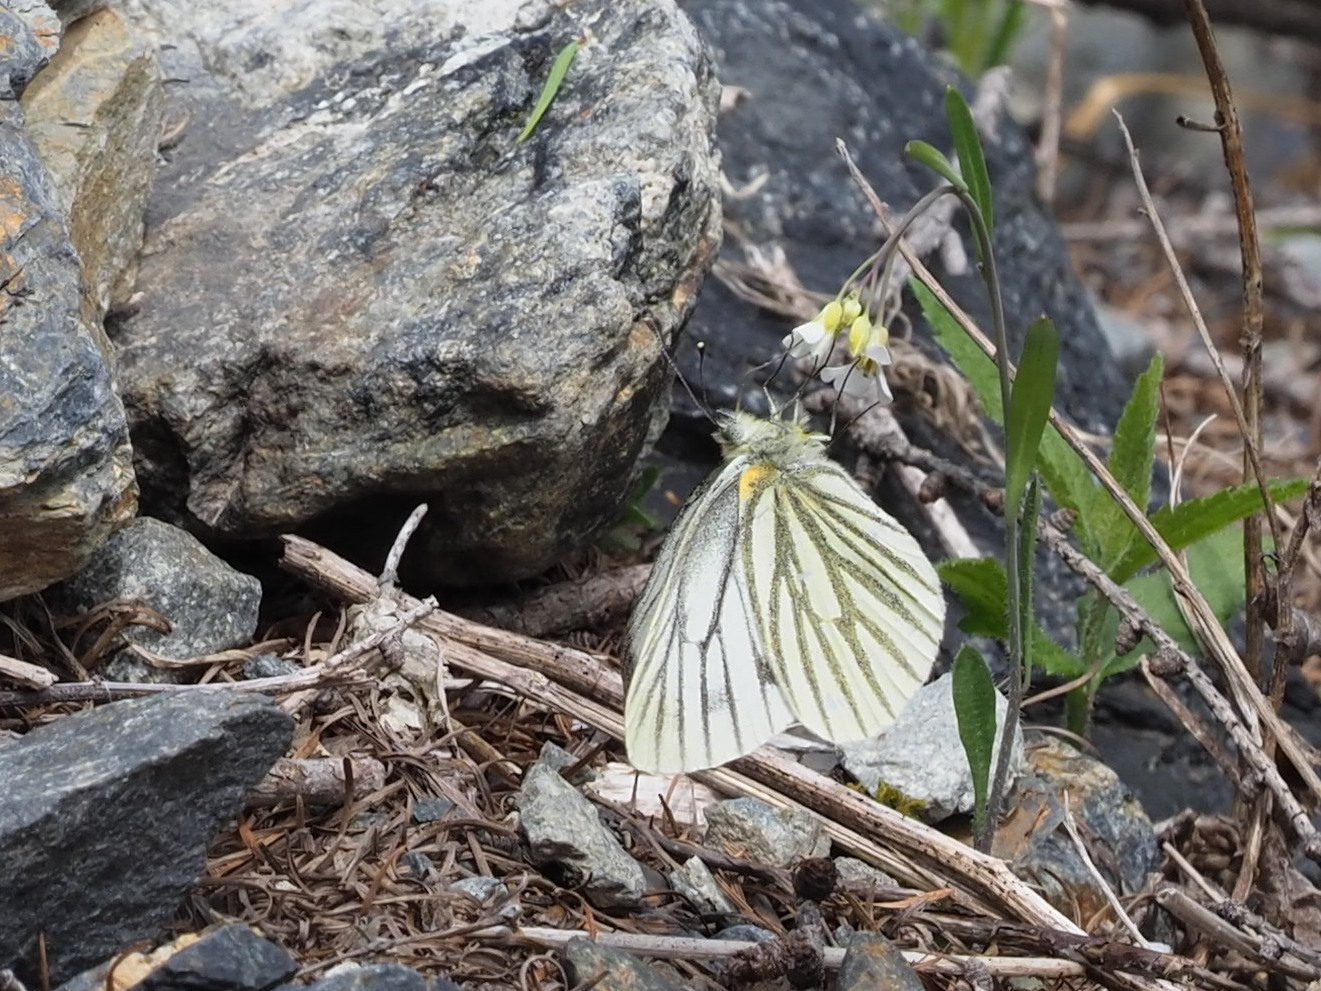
(852, 308)
(831, 317)
(860, 335)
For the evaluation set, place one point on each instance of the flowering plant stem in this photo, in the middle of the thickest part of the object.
(1017, 649)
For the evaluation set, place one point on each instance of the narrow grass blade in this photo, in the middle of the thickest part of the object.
(557, 73)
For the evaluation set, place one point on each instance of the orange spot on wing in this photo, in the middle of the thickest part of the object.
(753, 478)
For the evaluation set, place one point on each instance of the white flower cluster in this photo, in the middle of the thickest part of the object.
(868, 350)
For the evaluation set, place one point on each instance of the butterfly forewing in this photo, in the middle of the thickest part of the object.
(849, 609)
(699, 689)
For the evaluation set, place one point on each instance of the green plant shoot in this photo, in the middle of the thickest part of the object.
(548, 92)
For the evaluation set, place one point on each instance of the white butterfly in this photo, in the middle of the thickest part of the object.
(783, 594)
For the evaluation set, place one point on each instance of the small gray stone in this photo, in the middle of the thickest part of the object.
(481, 888)
(233, 958)
(921, 756)
(745, 933)
(432, 809)
(560, 759)
(564, 833)
(872, 963)
(748, 827)
(1032, 839)
(418, 865)
(611, 969)
(269, 666)
(695, 882)
(859, 872)
(210, 606)
(120, 803)
(369, 977)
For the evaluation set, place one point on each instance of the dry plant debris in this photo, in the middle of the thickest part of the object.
(369, 876)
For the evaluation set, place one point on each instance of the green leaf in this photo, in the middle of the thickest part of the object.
(935, 160)
(972, 162)
(1052, 658)
(982, 587)
(1196, 519)
(1066, 476)
(1029, 407)
(974, 707)
(981, 584)
(1132, 454)
(557, 73)
(1010, 26)
(1134, 449)
(1027, 545)
(1216, 567)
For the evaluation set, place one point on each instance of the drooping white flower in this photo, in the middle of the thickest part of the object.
(861, 380)
(816, 338)
(864, 376)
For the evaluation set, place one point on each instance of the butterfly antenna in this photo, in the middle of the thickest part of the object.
(698, 401)
(852, 420)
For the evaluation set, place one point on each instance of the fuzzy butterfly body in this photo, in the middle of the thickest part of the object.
(783, 594)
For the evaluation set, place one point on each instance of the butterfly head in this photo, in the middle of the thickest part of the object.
(776, 440)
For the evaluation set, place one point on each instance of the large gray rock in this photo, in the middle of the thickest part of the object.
(860, 79)
(210, 606)
(106, 816)
(66, 476)
(94, 115)
(360, 293)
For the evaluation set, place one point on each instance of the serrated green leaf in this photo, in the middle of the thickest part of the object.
(1050, 657)
(1196, 519)
(972, 162)
(1066, 476)
(1132, 455)
(983, 589)
(1029, 407)
(934, 159)
(981, 585)
(1216, 568)
(974, 708)
(548, 92)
